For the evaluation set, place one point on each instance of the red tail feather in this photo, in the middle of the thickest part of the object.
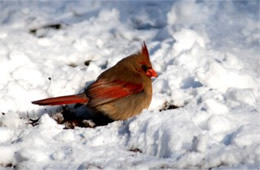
(63, 100)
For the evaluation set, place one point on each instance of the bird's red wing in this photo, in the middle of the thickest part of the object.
(103, 91)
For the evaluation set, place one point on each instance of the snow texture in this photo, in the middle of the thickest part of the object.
(207, 57)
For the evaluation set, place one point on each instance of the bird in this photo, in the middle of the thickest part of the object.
(118, 93)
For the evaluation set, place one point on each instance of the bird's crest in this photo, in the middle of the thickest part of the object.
(144, 54)
(144, 50)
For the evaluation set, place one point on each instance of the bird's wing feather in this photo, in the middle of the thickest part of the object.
(104, 91)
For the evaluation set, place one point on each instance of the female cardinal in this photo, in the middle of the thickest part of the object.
(120, 92)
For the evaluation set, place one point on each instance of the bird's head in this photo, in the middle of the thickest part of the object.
(143, 63)
(139, 62)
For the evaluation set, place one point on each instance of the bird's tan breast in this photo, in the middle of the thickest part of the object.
(126, 107)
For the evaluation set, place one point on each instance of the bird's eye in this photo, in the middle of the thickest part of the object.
(144, 67)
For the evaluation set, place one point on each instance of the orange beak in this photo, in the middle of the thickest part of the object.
(151, 73)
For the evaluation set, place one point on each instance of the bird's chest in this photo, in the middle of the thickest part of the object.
(124, 108)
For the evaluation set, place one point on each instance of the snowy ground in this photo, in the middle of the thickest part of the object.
(207, 57)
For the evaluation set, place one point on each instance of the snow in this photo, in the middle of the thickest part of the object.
(207, 57)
